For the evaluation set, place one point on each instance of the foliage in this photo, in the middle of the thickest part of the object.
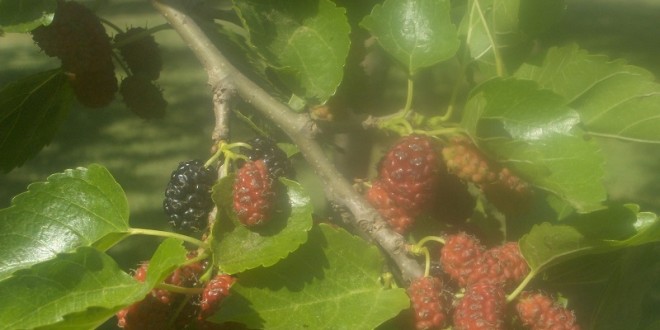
(545, 121)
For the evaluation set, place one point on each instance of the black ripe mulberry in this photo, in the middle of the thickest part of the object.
(77, 37)
(275, 159)
(142, 97)
(188, 196)
(142, 54)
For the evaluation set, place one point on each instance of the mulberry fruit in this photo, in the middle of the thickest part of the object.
(482, 307)
(395, 216)
(214, 292)
(466, 161)
(254, 194)
(509, 193)
(540, 312)
(152, 312)
(142, 97)
(149, 313)
(276, 160)
(410, 172)
(188, 196)
(428, 303)
(503, 264)
(459, 255)
(78, 38)
(141, 55)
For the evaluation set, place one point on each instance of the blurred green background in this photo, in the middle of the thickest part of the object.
(141, 154)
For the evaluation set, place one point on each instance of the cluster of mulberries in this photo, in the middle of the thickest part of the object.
(188, 196)
(505, 190)
(408, 178)
(162, 309)
(256, 189)
(468, 262)
(77, 37)
(485, 275)
(142, 56)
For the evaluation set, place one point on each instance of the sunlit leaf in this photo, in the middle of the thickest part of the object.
(547, 244)
(79, 290)
(613, 99)
(418, 34)
(305, 41)
(332, 281)
(535, 134)
(71, 209)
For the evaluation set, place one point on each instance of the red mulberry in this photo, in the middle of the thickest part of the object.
(254, 194)
(428, 303)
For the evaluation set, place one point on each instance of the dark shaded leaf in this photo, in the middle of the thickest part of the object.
(31, 111)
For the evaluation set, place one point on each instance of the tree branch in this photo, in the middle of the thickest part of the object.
(299, 128)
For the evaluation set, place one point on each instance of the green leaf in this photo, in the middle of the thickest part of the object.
(621, 304)
(535, 134)
(506, 24)
(613, 99)
(31, 111)
(418, 34)
(71, 209)
(547, 245)
(238, 248)
(333, 280)
(306, 42)
(25, 15)
(80, 290)
(70, 283)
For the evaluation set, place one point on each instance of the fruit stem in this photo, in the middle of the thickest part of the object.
(216, 155)
(429, 239)
(441, 131)
(409, 98)
(166, 234)
(178, 310)
(456, 88)
(110, 24)
(207, 275)
(137, 36)
(121, 63)
(249, 122)
(427, 259)
(520, 287)
(499, 64)
(179, 289)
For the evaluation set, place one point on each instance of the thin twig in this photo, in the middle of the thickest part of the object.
(299, 128)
